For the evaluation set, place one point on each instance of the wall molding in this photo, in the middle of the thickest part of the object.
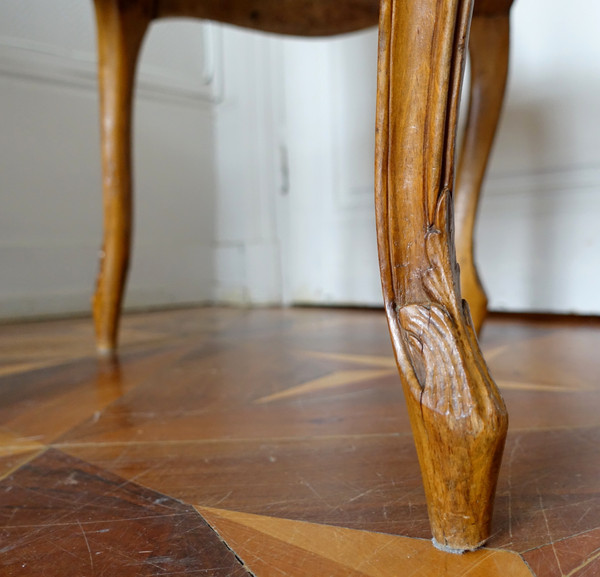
(536, 241)
(31, 60)
(556, 179)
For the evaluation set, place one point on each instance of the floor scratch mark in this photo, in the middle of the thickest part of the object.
(368, 491)
(593, 557)
(224, 498)
(549, 534)
(87, 544)
(513, 452)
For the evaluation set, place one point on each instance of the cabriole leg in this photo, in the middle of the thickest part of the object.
(121, 25)
(488, 52)
(457, 414)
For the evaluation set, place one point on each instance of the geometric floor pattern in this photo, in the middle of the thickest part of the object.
(274, 442)
(270, 546)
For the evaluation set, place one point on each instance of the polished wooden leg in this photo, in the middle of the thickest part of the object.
(121, 26)
(457, 414)
(488, 51)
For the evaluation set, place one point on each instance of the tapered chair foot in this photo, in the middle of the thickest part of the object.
(457, 415)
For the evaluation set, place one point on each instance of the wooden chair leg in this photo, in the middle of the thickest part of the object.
(457, 414)
(488, 50)
(121, 26)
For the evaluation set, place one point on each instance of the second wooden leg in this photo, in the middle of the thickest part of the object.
(488, 50)
(121, 27)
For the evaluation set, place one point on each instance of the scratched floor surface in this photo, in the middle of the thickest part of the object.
(227, 442)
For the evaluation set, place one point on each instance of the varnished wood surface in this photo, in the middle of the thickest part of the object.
(488, 51)
(70, 519)
(292, 415)
(457, 414)
(121, 27)
(297, 17)
(454, 405)
(271, 546)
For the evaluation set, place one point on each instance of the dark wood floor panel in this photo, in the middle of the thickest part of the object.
(573, 557)
(60, 516)
(370, 483)
(68, 393)
(549, 488)
(225, 388)
(293, 415)
(152, 415)
(12, 460)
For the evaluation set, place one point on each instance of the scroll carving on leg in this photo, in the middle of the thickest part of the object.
(457, 414)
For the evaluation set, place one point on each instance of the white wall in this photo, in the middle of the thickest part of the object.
(50, 192)
(538, 245)
(253, 165)
(330, 133)
(207, 163)
(249, 157)
(537, 240)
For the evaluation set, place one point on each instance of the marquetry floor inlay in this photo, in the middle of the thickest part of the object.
(230, 442)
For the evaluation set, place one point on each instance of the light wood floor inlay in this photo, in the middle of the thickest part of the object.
(272, 547)
(287, 430)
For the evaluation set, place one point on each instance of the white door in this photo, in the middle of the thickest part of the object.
(330, 116)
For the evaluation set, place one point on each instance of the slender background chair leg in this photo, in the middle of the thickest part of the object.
(121, 26)
(488, 51)
(457, 414)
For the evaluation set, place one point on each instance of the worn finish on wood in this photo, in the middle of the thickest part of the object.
(492, 7)
(457, 414)
(271, 547)
(61, 516)
(364, 482)
(488, 51)
(180, 416)
(370, 483)
(121, 25)
(571, 557)
(454, 402)
(297, 17)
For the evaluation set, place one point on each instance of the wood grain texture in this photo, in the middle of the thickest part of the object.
(363, 482)
(60, 516)
(70, 393)
(297, 17)
(548, 490)
(458, 417)
(121, 26)
(271, 547)
(178, 415)
(492, 7)
(488, 51)
(574, 557)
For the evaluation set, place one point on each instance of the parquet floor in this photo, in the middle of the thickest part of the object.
(227, 442)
